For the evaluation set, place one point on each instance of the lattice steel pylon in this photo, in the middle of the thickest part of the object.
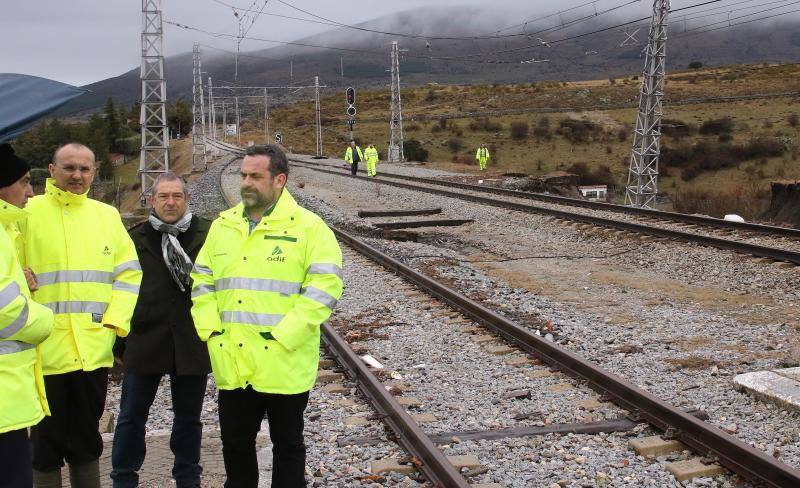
(395, 153)
(199, 159)
(642, 187)
(154, 156)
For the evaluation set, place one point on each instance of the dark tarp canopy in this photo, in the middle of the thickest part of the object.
(24, 99)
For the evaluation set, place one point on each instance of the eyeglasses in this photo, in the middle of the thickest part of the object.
(84, 170)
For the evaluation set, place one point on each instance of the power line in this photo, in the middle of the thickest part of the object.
(330, 22)
(694, 32)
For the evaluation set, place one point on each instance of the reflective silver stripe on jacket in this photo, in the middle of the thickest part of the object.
(122, 286)
(11, 347)
(202, 290)
(258, 284)
(325, 268)
(319, 296)
(203, 270)
(73, 276)
(76, 307)
(9, 294)
(251, 318)
(17, 324)
(127, 266)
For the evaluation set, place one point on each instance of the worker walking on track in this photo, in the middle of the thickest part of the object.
(163, 339)
(267, 277)
(353, 156)
(372, 160)
(24, 324)
(482, 155)
(88, 275)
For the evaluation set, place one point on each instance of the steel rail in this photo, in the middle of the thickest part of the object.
(709, 241)
(434, 464)
(430, 460)
(609, 207)
(701, 436)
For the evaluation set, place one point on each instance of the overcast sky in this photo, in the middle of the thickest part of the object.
(82, 41)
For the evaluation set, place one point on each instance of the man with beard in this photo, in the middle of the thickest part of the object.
(163, 340)
(267, 277)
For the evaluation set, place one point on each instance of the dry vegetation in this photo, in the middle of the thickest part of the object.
(717, 156)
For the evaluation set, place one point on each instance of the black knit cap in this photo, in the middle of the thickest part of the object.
(12, 167)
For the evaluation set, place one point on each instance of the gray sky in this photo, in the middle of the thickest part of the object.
(82, 41)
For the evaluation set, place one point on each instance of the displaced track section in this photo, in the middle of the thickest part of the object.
(773, 253)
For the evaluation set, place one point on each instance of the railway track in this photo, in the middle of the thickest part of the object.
(519, 203)
(482, 323)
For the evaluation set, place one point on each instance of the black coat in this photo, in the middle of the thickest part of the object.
(163, 338)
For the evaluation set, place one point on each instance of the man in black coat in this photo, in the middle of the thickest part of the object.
(163, 339)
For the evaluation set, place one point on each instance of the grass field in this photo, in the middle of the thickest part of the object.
(452, 143)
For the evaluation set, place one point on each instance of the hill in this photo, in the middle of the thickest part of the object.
(597, 56)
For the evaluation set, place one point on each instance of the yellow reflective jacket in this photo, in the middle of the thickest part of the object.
(371, 154)
(88, 274)
(23, 325)
(348, 155)
(482, 154)
(284, 278)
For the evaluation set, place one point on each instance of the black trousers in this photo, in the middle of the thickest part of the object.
(128, 451)
(354, 168)
(70, 433)
(15, 460)
(240, 415)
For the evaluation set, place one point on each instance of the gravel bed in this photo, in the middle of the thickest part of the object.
(786, 243)
(662, 340)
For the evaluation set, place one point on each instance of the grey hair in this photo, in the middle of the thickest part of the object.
(73, 145)
(170, 176)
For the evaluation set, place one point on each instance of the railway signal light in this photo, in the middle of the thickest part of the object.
(351, 95)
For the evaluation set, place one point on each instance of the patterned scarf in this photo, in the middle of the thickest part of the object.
(178, 262)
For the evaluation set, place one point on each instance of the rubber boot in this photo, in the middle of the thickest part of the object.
(47, 479)
(85, 475)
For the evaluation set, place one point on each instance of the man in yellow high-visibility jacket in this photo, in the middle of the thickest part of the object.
(23, 325)
(353, 156)
(267, 277)
(482, 155)
(371, 154)
(88, 274)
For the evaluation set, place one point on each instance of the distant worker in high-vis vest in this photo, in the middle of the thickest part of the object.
(482, 155)
(353, 156)
(371, 155)
(24, 324)
(88, 274)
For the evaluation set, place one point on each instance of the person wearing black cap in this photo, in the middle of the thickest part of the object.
(24, 324)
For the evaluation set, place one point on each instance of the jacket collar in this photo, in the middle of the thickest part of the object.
(62, 196)
(195, 235)
(285, 208)
(11, 213)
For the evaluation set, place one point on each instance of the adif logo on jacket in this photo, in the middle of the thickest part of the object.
(276, 255)
(106, 251)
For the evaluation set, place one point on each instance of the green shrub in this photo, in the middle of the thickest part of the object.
(519, 130)
(413, 150)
